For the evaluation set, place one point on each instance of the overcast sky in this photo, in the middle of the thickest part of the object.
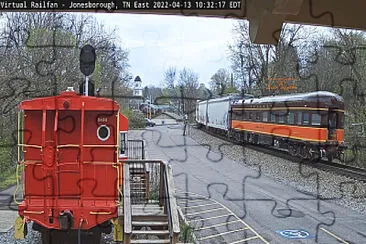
(156, 42)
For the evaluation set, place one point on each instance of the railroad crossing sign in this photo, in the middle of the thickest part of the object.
(294, 234)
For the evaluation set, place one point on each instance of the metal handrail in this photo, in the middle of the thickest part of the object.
(142, 147)
(171, 204)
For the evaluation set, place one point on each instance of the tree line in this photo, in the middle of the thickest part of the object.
(305, 59)
(40, 57)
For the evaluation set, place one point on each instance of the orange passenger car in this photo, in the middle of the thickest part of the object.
(72, 150)
(309, 125)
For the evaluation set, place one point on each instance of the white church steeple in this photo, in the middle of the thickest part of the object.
(137, 86)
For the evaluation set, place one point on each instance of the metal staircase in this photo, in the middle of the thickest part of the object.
(150, 212)
(149, 224)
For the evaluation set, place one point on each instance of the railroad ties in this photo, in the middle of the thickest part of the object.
(212, 222)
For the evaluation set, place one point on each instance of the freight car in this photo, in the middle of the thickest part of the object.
(72, 149)
(308, 125)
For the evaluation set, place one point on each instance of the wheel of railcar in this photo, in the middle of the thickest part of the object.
(309, 152)
(292, 150)
(249, 138)
(304, 153)
(256, 140)
(330, 158)
(315, 155)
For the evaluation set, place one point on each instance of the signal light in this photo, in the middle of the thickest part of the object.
(87, 60)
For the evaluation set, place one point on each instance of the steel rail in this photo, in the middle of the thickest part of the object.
(341, 169)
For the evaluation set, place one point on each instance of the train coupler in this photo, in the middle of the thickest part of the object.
(66, 220)
(117, 230)
(20, 228)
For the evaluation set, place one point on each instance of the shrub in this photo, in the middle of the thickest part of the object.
(136, 120)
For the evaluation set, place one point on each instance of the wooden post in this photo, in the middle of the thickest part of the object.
(127, 208)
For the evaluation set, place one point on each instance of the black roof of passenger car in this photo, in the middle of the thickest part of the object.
(321, 97)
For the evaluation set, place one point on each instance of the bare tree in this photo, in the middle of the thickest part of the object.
(170, 77)
(254, 64)
(40, 57)
(222, 82)
(188, 86)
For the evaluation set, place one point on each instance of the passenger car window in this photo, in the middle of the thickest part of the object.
(281, 117)
(265, 116)
(291, 118)
(246, 115)
(341, 120)
(273, 116)
(315, 119)
(305, 118)
(299, 118)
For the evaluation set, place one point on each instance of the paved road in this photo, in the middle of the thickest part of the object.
(268, 207)
(8, 209)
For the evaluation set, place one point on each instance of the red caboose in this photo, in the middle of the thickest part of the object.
(72, 151)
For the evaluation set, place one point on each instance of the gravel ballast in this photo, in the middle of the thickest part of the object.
(342, 190)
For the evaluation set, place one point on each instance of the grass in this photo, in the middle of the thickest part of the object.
(356, 158)
(154, 193)
(7, 165)
(186, 233)
(7, 179)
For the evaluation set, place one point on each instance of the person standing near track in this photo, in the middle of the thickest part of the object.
(185, 124)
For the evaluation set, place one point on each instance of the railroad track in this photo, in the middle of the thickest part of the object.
(212, 222)
(345, 170)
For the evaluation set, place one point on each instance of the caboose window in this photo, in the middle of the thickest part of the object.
(315, 119)
(103, 132)
(122, 146)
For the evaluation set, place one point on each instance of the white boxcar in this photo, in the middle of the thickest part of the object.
(218, 113)
(201, 112)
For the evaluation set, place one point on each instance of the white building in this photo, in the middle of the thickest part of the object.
(137, 86)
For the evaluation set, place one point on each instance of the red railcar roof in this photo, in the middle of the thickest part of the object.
(70, 101)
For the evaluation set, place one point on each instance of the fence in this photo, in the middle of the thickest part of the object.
(136, 149)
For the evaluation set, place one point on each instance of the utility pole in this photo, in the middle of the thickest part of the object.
(150, 106)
